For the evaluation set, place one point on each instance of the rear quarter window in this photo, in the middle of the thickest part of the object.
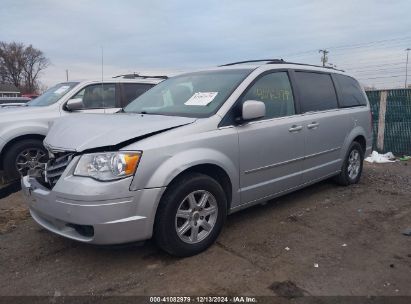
(351, 94)
(316, 90)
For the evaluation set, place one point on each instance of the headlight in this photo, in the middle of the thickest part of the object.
(108, 166)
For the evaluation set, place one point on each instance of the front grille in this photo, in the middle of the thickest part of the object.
(55, 168)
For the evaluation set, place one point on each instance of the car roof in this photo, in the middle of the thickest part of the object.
(267, 64)
(122, 80)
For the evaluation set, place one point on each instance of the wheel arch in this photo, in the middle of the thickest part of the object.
(17, 139)
(362, 141)
(357, 134)
(214, 171)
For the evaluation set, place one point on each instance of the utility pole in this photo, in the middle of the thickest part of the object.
(102, 64)
(406, 67)
(324, 57)
(102, 74)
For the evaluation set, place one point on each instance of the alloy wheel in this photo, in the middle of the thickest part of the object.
(196, 216)
(31, 161)
(354, 164)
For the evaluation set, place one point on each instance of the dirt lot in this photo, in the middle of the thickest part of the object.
(354, 234)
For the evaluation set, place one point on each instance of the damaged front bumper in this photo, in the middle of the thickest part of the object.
(94, 212)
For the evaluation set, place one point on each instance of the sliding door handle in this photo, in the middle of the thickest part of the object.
(313, 125)
(295, 128)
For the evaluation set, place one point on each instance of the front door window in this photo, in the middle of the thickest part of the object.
(274, 90)
(98, 96)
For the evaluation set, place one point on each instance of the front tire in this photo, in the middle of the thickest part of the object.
(352, 167)
(24, 156)
(191, 215)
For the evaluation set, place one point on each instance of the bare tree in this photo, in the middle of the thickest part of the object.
(34, 63)
(21, 65)
(11, 62)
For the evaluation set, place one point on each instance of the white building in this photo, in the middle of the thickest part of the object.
(8, 90)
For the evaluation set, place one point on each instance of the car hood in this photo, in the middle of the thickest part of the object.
(12, 115)
(80, 132)
(6, 110)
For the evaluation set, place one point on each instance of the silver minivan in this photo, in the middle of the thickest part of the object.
(197, 147)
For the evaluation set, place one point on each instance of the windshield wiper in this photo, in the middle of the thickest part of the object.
(135, 112)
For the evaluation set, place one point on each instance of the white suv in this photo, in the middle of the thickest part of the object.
(23, 128)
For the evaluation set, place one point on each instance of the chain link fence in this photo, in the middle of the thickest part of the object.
(396, 129)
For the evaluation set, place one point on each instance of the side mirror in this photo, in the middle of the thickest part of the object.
(253, 109)
(75, 104)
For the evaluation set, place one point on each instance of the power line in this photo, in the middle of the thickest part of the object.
(373, 44)
(361, 47)
(371, 55)
(338, 52)
(355, 65)
(358, 59)
(303, 52)
(353, 62)
(378, 71)
(383, 77)
(369, 42)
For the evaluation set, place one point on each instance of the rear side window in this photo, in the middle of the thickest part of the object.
(350, 91)
(134, 90)
(317, 91)
(275, 91)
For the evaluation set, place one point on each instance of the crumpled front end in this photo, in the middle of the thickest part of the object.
(87, 210)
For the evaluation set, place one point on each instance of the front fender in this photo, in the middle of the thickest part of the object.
(15, 130)
(175, 164)
(22, 128)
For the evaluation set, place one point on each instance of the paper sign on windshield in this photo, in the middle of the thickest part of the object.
(61, 90)
(201, 98)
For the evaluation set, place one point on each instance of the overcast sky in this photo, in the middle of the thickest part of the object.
(156, 36)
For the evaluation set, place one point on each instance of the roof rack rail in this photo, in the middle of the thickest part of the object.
(251, 61)
(279, 61)
(313, 65)
(135, 75)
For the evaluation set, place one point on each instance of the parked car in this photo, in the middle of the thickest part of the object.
(5, 101)
(197, 147)
(23, 128)
(12, 104)
(30, 95)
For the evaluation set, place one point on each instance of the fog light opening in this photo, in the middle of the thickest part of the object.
(84, 230)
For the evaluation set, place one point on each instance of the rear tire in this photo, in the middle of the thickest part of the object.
(29, 151)
(190, 215)
(352, 166)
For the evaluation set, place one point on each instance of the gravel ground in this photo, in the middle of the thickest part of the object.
(322, 240)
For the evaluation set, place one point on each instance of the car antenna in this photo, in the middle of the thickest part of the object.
(102, 73)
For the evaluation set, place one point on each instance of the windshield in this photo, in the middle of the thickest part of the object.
(198, 94)
(52, 95)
